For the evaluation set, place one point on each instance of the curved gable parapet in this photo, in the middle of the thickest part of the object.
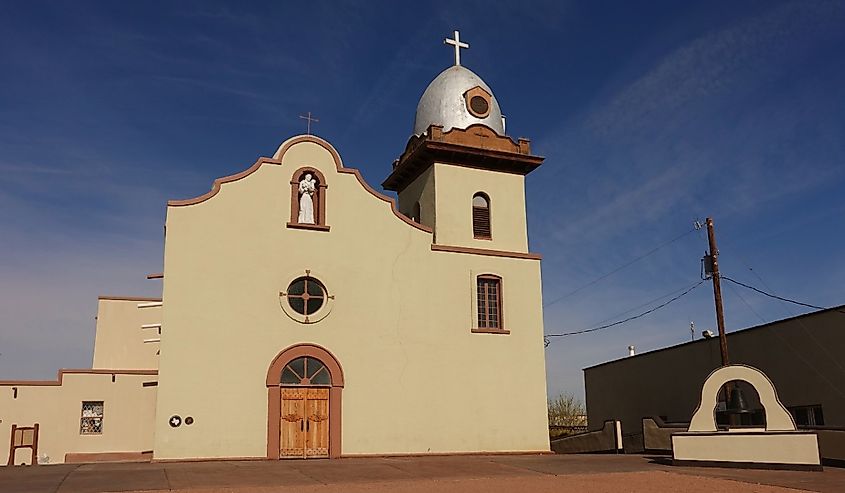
(277, 160)
(215, 187)
(352, 171)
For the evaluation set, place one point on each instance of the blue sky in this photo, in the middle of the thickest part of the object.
(649, 114)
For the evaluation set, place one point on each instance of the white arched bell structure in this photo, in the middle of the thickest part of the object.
(779, 445)
(777, 417)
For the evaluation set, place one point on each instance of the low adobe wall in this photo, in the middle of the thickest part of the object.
(608, 439)
(657, 439)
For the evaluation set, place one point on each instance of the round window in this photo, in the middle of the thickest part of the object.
(306, 295)
(479, 105)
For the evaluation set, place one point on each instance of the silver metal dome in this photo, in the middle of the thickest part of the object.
(443, 103)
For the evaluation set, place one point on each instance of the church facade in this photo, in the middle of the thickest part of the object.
(304, 314)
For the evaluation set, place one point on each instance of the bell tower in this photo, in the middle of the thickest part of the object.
(460, 174)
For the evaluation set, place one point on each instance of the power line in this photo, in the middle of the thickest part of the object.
(822, 375)
(804, 327)
(647, 303)
(614, 271)
(606, 326)
(770, 295)
(747, 305)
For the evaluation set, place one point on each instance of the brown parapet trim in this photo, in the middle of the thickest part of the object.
(387, 199)
(490, 331)
(159, 275)
(747, 465)
(281, 152)
(446, 454)
(126, 298)
(64, 372)
(313, 227)
(215, 187)
(83, 457)
(485, 251)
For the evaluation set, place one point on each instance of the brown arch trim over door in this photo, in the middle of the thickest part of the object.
(274, 395)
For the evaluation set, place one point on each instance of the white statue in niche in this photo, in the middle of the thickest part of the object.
(307, 188)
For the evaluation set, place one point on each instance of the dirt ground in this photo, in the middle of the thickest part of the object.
(485, 474)
(594, 483)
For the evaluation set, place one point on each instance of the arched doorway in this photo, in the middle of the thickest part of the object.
(304, 384)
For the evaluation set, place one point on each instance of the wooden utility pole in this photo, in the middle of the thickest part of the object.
(717, 290)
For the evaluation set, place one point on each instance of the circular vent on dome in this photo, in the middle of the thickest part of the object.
(479, 105)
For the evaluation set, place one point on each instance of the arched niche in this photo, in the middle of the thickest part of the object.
(319, 198)
(274, 385)
(704, 419)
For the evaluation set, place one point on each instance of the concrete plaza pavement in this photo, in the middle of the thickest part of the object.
(488, 474)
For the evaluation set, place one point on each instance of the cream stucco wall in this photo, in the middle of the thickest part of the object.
(416, 379)
(119, 340)
(795, 448)
(455, 187)
(129, 409)
(421, 190)
(445, 193)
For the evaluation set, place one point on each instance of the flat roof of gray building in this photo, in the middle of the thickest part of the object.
(840, 308)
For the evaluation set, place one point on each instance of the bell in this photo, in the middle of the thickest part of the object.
(736, 401)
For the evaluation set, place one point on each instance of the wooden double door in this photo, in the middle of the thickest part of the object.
(304, 423)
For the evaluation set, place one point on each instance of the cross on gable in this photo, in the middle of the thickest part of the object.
(458, 45)
(310, 119)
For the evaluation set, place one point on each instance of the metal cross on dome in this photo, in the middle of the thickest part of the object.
(458, 45)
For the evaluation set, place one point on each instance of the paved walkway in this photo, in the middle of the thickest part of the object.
(487, 474)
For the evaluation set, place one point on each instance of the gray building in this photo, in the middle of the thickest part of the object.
(804, 356)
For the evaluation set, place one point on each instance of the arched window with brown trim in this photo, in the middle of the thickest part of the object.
(481, 217)
(308, 200)
(489, 300)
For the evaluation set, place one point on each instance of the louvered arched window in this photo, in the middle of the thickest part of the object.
(481, 217)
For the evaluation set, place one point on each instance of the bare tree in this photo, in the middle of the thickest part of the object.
(567, 410)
